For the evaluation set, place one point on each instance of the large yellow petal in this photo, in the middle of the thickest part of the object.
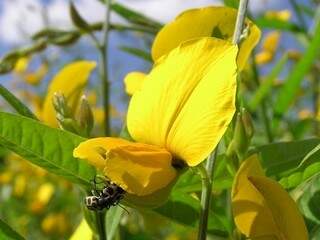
(262, 208)
(70, 81)
(140, 169)
(133, 82)
(187, 100)
(205, 22)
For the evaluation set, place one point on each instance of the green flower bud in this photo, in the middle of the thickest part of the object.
(243, 133)
(247, 122)
(86, 119)
(60, 105)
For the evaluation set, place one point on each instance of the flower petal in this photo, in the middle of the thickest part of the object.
(140, 169)
(204, 22)
(186, 107)
(94, 149)
(70, 81)
(133, 82)
(262, 209)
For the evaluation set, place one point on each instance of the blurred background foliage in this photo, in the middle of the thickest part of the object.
(279, 86)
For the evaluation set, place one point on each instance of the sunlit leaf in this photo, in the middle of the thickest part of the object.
(308, 198)
(113, 220)
(44, 146)
(278, 158)
(134, 17)
(16, 103)
(7, 233)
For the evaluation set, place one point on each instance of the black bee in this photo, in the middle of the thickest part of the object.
(109, 196)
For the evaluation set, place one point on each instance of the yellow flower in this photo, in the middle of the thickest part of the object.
(262, 209)
(55, 223)
(205, 22)
(5, 177)
(43, 196)
(34, 78)
(30, 77)
(177, 118)
(70, 82)
(133, 82)
(283, 15)
(20, 185)
(269, 48)
(22, 65)
(195, 23)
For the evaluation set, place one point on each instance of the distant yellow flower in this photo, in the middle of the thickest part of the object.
(34, 78)
(22, 65)
(5, 177)
(305, 114)
(216, 22)
(177, 118)
(20, 184)
(70, 82)
(269, 48)
(30, 77)
(55, 223)
(45, 193)
(262, 209)
(283, 15)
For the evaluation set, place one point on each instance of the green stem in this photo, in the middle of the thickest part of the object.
(240, 21)
(103, 69)
(100, 224)
(315, 101)
(206, 176)
(296, 9)
(264, 112)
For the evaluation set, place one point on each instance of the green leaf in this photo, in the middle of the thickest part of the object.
(7, 233)
(16, 103)
(298, 176)
(231, 3)
(266, 86)
(77, 19)
(44, 146)
(114, 215)
(298, 73)
(283, 157)
(135, 17)
(137, 52)
(315, 233)
(309, 198)
(184, 209)
(264, 22)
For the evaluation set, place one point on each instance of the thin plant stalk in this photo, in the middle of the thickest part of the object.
(100, 221)
(102, 47)
(264, 112)
(103, 69)
(242, 11)
(206, 176)
(207, 172)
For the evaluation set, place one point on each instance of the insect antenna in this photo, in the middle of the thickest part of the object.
(124, 208)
